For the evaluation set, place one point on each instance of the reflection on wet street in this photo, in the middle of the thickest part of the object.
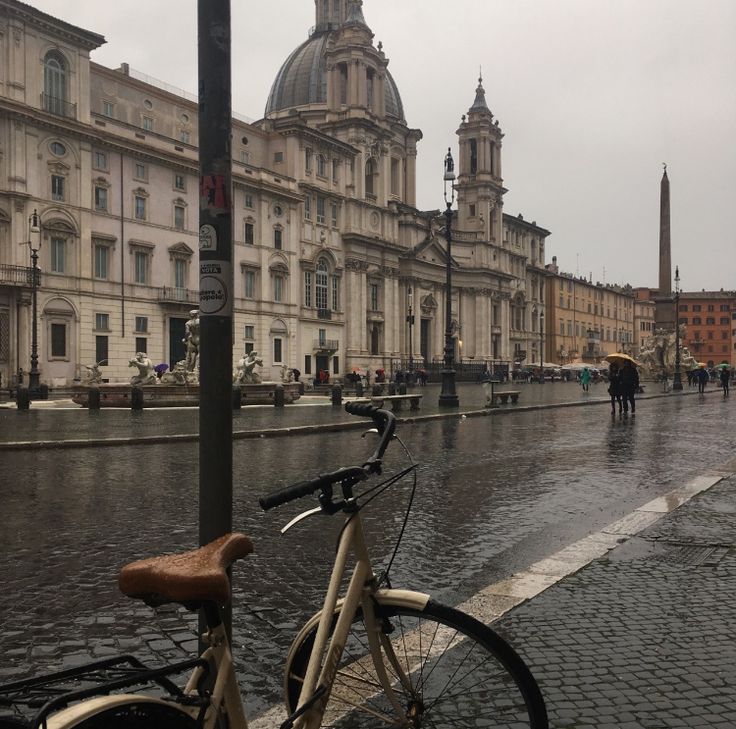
(494, 494)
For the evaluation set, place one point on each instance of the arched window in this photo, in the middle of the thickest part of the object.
(54, 83)
(321, 284)
(370, 172)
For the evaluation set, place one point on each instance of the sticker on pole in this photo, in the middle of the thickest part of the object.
(214, 288)
(213, 194)
(207, 238)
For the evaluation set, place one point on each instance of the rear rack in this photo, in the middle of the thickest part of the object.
(54, 691)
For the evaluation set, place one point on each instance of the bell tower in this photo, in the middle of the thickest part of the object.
(329, 14)
(480, 185)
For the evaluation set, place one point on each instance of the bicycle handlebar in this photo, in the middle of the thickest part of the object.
(385, 422)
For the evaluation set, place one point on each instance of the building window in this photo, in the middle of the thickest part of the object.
(248, 200)
(308, 160)
(335, 170)
(54, 84)
(57, 187)
(696, 307)
(308, 207)
(58, 340)
(100, 160)
(307, 364)
(697, 319)
(724, 321)
(108, 109)
(335, 365)
(100, 198)
(141, 344)
(250, 331)
(278, 157)
(184, 136)
(140, 207)
(179, 217)
(320, 209)
(248, 233)
(307, 288)
(278, 288)
(101, 351)
(321, 166)
(244, 157)
(710, 320)
(335, 293)
(369, 175)
(140, 171)
(374, 292)
(334, 215)
(250, 285)
(277, 238)
(102, 322)
(321, 284)
(147, 123)
(277, 357)
(395, 177)
(180, 182)
(101, 254)
(141, 267)
(181, 273)
(58, 255)
(141, 325)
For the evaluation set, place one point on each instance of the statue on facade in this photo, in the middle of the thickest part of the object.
(245, 373)
(191, 339)
(146, 374)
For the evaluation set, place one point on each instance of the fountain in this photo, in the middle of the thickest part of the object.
(179, 387)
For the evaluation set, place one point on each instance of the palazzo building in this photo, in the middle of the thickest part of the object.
(330, 248)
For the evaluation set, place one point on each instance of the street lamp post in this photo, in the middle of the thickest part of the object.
(541, 343)
(448, 395)
(410, 322)
(34, 375)
(677, 379)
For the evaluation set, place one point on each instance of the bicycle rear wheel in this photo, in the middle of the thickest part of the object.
(458, 673)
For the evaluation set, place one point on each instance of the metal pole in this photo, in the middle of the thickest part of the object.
(215, 272)
(448, 395)
(677, 378)
(410, 319)
(34, 374)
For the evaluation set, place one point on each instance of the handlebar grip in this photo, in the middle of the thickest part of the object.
(295, 491)
(361, 408)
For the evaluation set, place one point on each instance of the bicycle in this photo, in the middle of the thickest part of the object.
(376, 657)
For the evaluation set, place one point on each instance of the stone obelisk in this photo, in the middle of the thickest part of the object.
(664, 310)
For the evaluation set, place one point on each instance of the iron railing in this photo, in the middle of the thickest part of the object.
(467, 370)
(18, 275)
(176, 295)
(326, 345)
(57, 105)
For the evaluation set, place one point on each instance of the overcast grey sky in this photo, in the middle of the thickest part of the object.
(592, 95)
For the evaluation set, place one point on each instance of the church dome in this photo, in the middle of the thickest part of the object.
(302, 80)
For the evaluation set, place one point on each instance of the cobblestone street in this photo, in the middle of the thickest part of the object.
(495, 495)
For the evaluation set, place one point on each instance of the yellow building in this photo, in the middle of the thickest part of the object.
(586, 321)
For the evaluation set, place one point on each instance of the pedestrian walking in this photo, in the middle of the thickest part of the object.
(702, 377)
(614, 388)
(585, 377)
(629, 383)
(725, 375)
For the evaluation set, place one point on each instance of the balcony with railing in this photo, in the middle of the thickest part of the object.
(18, 276)
(326, 345)
(176, 295)
(57, 105)
(324, 313)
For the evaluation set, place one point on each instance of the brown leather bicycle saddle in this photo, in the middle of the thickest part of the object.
(189, 577)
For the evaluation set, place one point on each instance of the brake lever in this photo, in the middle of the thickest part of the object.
(301, 517)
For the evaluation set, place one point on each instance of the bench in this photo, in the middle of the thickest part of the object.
(504, 395)
(396, 401)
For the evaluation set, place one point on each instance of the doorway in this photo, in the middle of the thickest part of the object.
(424, 331)
(177, 347)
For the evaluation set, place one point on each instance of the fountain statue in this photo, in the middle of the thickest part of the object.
(94, 375)
(287, 374)
(658, 353)
(245, 373)
(146, 374)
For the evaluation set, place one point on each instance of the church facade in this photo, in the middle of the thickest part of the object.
(330, 249)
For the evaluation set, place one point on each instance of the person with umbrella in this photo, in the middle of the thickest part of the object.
(629, 379)
(702, 377)
(614, 388)
(725, 375)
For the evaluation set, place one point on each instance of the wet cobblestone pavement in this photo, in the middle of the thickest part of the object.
(495, 495)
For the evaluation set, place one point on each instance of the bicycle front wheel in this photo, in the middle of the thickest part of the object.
(445, 669)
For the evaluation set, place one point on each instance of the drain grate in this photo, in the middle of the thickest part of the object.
(689, 555)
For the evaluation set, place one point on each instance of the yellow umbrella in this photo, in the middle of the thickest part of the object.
(620, 357)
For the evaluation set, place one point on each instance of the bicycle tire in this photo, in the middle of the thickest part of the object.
(469, 677)
(122, 712)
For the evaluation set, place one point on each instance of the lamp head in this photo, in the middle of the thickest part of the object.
(449, 167)
(35, 222)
